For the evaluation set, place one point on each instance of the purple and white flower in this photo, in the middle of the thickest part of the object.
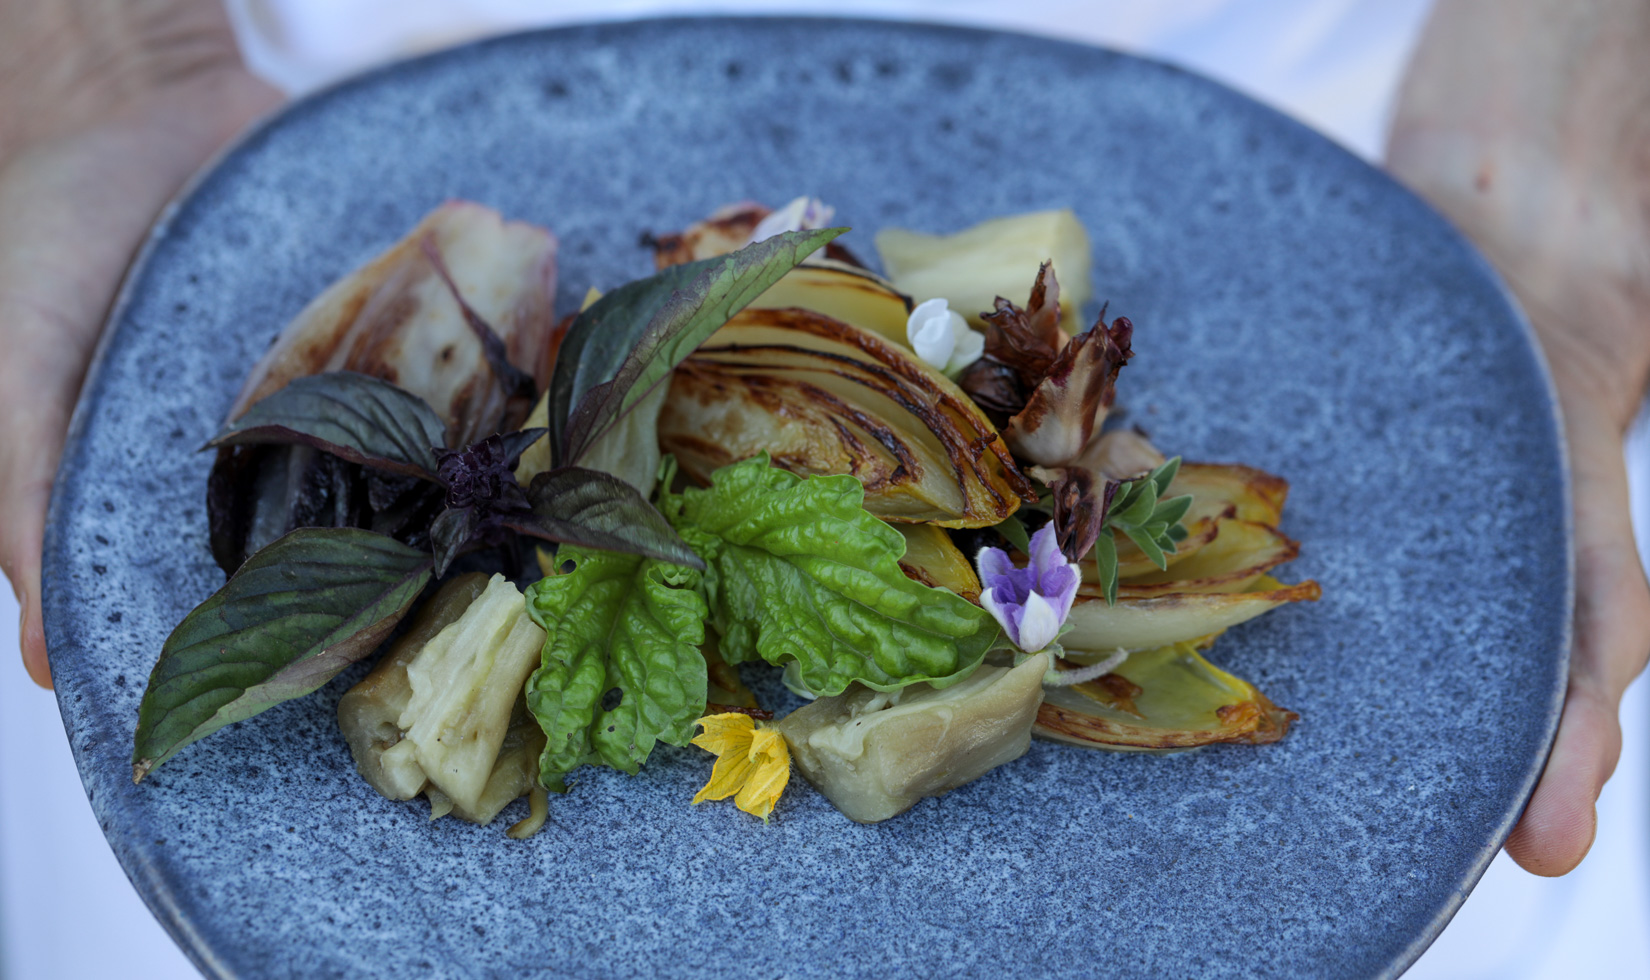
(1031, 602)
(803, 214)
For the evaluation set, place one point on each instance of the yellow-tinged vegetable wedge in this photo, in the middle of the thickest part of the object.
(824, 397)
(843, 292)
(1145, 624)
(1167, 698)
(931, 558)
(972, 267)
(1218, 491)
(1232, 562)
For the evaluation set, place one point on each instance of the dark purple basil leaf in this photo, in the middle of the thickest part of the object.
(352, 416)
(291, 618)
(591, 508)
(628, 342)
(517, 384)
(451, 534)
(483, 475)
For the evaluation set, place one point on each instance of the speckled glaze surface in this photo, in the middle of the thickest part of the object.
(1294, 309)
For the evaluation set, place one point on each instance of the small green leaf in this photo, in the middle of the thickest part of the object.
(799, 570)
(1139, 510)
(1105, 561)
(1147, 544)
(621, 666)
(1165, 474)
(294, 615)
(353, 416)
(1015, 533)
(648, 327)
(1171, 512)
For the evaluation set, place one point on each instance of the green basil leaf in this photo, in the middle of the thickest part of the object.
(586, 507)
(648, 327)
(352, 416)
(799, 570)
(294, 615)
(621, 669)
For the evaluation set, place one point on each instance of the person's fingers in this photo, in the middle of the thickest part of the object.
(1612, 621)
(72, 211)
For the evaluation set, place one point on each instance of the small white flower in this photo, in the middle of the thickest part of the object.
(942, 338)
(803, 214)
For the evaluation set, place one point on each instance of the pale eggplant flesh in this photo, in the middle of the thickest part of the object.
(875, 754)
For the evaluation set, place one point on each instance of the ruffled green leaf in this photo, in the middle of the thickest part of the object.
(798, 570)
(621, 666)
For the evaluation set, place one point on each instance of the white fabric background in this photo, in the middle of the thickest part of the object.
(66, 909)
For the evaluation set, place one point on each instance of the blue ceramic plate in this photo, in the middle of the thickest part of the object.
(1295, 309)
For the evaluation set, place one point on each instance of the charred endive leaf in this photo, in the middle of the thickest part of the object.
(293, 616)
(824, 397)
(1067, 407)
(621, 668)
(396, 319)
(628, 342)
(798, 570)
(1173, 617)
(1167, 698)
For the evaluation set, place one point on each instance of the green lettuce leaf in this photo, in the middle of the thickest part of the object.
(621, 668)
(799, 571)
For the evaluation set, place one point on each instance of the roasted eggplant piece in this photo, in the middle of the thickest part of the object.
(875, 754)
(442, 714)
(822, 396)
(1167, 698)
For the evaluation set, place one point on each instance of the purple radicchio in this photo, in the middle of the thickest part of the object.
(1032, 602)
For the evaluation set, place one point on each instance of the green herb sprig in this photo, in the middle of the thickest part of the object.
(1152, 523)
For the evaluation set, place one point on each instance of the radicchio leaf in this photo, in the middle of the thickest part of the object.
(628, 342)
(293, 616)
(352, 416)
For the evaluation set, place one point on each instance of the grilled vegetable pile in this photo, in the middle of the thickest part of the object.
(900, 491)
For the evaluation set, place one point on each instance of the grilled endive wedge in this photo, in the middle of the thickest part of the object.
(1167, 698)
(824, 397)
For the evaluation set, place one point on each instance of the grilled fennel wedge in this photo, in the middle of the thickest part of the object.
(825, 397)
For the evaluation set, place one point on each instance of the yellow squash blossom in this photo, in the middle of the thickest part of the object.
(751, 761)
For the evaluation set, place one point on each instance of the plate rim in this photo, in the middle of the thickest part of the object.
(137, 861)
